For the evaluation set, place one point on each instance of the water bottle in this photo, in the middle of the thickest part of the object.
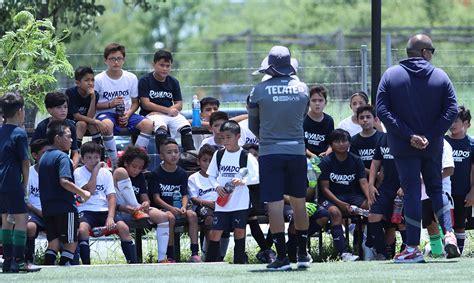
(397, 210)
(177, 201)
(119, 111)
(103, 231)
(312, 178)
(229, 187)
(196, 106)
(359, 211)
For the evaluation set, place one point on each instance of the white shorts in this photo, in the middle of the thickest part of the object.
(168, 122)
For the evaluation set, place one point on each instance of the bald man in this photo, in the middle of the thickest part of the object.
(417, 104)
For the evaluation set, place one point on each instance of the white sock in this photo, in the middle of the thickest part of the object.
(143, 140)
(125, 189)
(162, 237)
(224, 246)
(111, 148)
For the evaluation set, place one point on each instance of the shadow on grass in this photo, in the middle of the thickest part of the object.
(277, 271)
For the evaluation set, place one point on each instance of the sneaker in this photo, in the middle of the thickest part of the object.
(451, 245)
(369, 253)
(349, 257)
(409, 255)
(167, 260)
(140, 215)
(280, 265)
(6, 265)
(17, 267)
(266, 256)
(304, 261)
(195, 258)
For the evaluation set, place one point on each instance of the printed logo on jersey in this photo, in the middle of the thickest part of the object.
(136, 190)
(160, 94)
(167, 190)
(98, 189)
(386, 152)
(366, 154)
(341, 179)
(206, 191)
(251, 140)
(460, 155)
(34, 191)
(109, 95)
(83, 110)
(229, 170)
(313, 138)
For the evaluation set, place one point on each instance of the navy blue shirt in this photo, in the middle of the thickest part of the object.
(343, 176)
(364, 147)
(463, 155)
(166, 183)
(315, 133)
(13, 150)
(161, 93)
(55, 199)
(139, 185)
(78, 103)
(40, 132)
(390, 172)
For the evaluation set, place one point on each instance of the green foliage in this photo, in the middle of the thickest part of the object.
(31, 55)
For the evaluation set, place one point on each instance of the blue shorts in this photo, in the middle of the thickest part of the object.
(320, 213)
(384, 203)
(230, 220)
(133, 121)
(95, 218)
(13, 202)
(37, 220)
(282, 174)
(352, 199)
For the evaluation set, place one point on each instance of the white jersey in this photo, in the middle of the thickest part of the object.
(108, 89)
(33, 188)
(200, 187)
(104, 187)
(350, 126)
(209, 140)
(446, 162)
(240, 198)
(246, 136)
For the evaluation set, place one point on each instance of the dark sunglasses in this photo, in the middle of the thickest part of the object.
(432, 50)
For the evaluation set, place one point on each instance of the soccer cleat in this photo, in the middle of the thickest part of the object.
(451, 245)
(409, 255)
(140, 215)
(304, 261)
(349, 257)
(21, 266)
(195, 258)
(280, 265)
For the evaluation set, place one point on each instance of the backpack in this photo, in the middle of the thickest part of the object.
(242, 159)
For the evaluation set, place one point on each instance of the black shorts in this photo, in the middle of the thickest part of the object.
(39, 221)
(13, 202)
(460, 212)
(95, 218)
(230, 220)
(203, 211)
(384, 203)
(352, 199)
(62, 226)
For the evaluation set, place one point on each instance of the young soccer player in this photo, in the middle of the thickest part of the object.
(208, 105)
(81, 108)
(317, 125)
(246, 135)
(168, 185)
(57, 105)
(35, 215)
(130, 179)
(99, 210)
(215, 122)
(351, 124)
(14, 172)
(343, 183)
(462, 183)
(161, 101)
(118, 101)
(56, 184)
(232, 215)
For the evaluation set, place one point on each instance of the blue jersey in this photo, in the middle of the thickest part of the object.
(40, 132)
(463, 156)
(315, 133)
(364, 147)
(166, 183)
(161, 93)
(383, 153)
(343, 176)
(13, 151)
(78, 103)
(55, 199)
(139, 185)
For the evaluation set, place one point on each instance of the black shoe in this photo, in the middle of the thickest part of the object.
(23, 267)
(6, 266)
(280, 265)
(304, 261)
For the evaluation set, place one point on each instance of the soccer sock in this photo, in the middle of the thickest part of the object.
(390, 250)
(460, 237)
(194, 249)
(125, 189)
(30, 249)
(257, 234)
(370, 235)
(76, 258)
(224, 244)
(7, 239)
(269, 239)
(313, 227)
(378, 237)
(111, 148)
(302, 238)
(291, 246)
(213, 251)
(436, 245)
(160, 135)
(79, 142)
(97, 138)
(128, 248)
(19, 243)
(338, 239)
(143, 140)
(85, 251)
(162, 238)
(279, 239)
(170, 252)
(441, 231)
(50, 257)
(187, 138)
(66, 258)
(239, 251)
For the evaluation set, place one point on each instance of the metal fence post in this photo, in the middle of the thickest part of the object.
(388, 50)
(364, 68)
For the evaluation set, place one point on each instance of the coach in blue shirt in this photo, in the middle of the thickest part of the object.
(417, 104)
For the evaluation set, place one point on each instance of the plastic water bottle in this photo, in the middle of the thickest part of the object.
(196, 112)
(397, 210)
(229, 187)
(103, 231)
(177, 199)
(120, 111)
(359, 211)
(312, 178)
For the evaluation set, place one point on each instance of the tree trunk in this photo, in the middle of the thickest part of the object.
(30, 116)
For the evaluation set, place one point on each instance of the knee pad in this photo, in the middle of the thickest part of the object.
(186, 130)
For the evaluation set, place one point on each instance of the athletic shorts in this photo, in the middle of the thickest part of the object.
(460, 212)
(204, 211)
(173, 124)
(62, 226)
(133, 121)
(95, 218)
(39, 221)
(282, 174)
(13, 202)
(230, 220)
(258, 208)
(427, 214)
(352, 199)
(384, 203)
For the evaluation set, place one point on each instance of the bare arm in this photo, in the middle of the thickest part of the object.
(448, 171)
(71, 187)
(25, 171)
(150, 106)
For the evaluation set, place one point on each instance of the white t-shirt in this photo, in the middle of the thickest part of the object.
(246, 135)
(446, 162)
(350, 126)
(200, 187)
(108, 89)
(104, 187)
(240, 198)
(33, 188)
(210, 140)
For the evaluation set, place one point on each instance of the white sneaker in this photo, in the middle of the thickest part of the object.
(369, 253)
(349, 257)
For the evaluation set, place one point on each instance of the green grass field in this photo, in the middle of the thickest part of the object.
(439, 270)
